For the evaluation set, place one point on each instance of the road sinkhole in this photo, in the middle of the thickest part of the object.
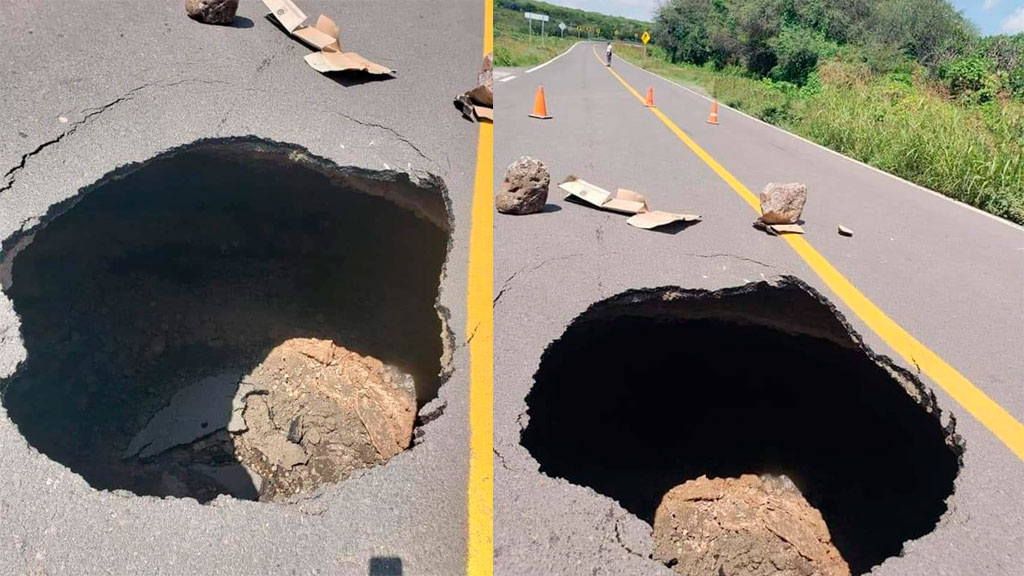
(232, 317)
(755, 388)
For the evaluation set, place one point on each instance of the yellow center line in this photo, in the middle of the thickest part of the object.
(480, 330)
(977, 403)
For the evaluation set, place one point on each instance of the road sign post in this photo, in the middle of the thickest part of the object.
(646, 38)
(531, 16)
(561, 28)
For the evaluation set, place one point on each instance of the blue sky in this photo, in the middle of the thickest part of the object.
(990, 16)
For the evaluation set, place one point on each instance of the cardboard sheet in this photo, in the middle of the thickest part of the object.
(658, 218)
(325, 61)
(583, 190)
(287, 13)
(624, 202)
(325, 37)
(627, 202)
(777, 229)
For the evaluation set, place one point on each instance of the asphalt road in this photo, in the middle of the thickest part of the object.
(949, 275)
(131, 80)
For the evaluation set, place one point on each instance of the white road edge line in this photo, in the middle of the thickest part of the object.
(841, 155)
(506, 78)
(539, 66)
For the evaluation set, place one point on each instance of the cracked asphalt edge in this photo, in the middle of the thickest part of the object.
(90, 113)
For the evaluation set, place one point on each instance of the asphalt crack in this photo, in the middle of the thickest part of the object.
(394, 132)
(733, 256)
(469, 339)
(88, 115)
(507, 284)
(502, 461)
(623, 544)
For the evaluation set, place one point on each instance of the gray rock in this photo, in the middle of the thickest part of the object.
(212, 11)
(782, 203)
(525, 188)
(844, 231)
(194, 412)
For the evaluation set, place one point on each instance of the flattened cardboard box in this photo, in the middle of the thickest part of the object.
(624, 202)
(325, 37)
(778, 229)
(657, 218)
(326, 61)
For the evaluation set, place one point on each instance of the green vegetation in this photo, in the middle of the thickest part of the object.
(516, 49)
(514, 46)
(508, 17)
(907, 86)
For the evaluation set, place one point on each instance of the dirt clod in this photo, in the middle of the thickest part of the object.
(320, 412)
(748, 525)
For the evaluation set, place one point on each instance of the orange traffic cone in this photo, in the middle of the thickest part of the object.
(713, 118)
(540, 108)
(650, 98)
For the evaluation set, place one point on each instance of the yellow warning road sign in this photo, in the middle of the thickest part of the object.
(646, 37)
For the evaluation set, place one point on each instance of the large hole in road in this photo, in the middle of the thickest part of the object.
(650, 389)
(182, 273)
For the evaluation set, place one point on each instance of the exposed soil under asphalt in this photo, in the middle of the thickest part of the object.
(195, 265)
(653, 388)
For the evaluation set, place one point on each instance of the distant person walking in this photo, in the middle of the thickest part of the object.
(608, 53)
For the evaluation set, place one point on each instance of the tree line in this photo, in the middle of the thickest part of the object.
(785, 40)
(600, 25)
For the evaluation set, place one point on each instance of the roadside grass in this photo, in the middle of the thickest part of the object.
(903, 125)
(516, 49)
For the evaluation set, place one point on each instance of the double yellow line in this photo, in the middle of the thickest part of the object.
(977, 403)
(480, 325)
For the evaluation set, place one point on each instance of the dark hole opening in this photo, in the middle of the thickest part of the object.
(645, 392)
(196, 264)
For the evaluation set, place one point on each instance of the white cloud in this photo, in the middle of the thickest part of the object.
(1014, 23)
(989, 4)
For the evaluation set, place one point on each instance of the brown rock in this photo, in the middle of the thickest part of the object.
(755, 526)
(212, 11)
(319, 412)
(483, 94)
(525, 188)
(782, 203)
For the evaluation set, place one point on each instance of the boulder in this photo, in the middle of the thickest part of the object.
(525, 188)
(317, 413)
(212, 11)
(782, 203)
(754, 526)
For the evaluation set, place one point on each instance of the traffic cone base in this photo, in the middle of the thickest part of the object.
(650, 98)
(540, 107)
(713, 117)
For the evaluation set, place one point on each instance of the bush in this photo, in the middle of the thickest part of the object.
(965, 74)
(1015, 82)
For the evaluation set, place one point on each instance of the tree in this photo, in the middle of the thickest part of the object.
(922, 28)
(680, 27)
